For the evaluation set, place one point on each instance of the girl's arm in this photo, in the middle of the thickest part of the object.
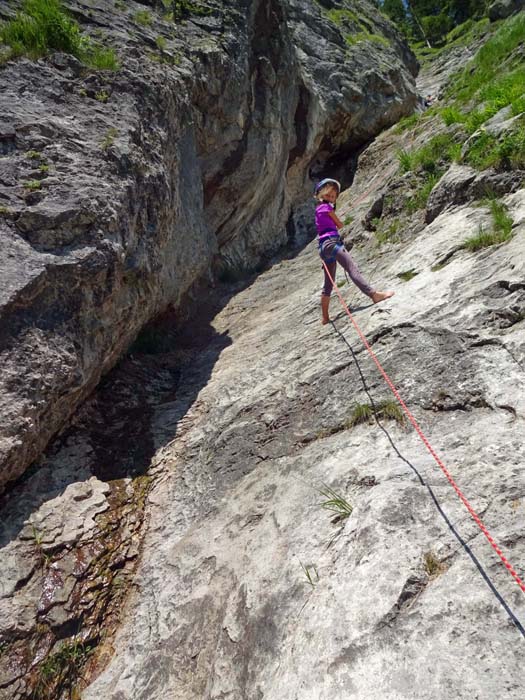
(337, 221)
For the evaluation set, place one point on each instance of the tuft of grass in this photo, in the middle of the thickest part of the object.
(310, 571)
(109, 138)
(484, 239)
(335, 503)
(5, 211)
(44, 168)
(33, 155)
(440, 149)
(418, 200)
(341, 283)
(32, 185)
(391, 410)
(161, 43)
(407, 275)
(101, 58)
(433, 567)
(348, 220)
(60, 667)
(387, 409)
(387, 233)
(501, 228)
(362, 413)
(102, 96)
(406, 123)
(143, 17)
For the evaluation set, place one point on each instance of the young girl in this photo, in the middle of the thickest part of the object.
(332, 249)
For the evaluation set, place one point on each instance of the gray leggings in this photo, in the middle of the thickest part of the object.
(346, 261)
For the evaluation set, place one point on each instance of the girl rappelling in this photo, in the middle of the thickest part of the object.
(332, 249)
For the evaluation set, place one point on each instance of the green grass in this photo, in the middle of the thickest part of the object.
(407, 275)
(101, 57)
(406, 123)
(440, 149)
(388, 409)
(348, 220)
(42, 26)
(491, 60)
(32, 185)
(433, 567)
(143, 17)
(109, 138)
(500, 232)
(358, 37)
(335, 503)
(418, 200)
(387, 233)
(44, 168)
(60, 668)
(504, 152)
(161, 43)
(310, 572)
(39, 27)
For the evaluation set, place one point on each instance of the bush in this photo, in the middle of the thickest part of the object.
(436, 27)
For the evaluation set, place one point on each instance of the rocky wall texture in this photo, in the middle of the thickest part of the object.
(120, 190)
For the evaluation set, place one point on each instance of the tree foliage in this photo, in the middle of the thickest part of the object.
(431, 20)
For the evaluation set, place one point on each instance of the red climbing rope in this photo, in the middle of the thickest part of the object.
(427, 444)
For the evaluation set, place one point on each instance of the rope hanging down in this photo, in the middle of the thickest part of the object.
(427, 444)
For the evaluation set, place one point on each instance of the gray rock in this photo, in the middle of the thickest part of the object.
(500, 9)
(162, 174)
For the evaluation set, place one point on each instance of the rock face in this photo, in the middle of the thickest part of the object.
(504, 8)
(247, 587)
(120, 191)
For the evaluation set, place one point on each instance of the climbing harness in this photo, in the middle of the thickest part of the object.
(333, 256)
(427, 444)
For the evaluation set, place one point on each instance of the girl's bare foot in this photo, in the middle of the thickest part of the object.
(325, 321)
(381, 296)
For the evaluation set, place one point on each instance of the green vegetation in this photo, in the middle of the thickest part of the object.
(501, 229)
(143, 17)
(3, 647)
(5, 211)
(418, 200)
(109, 138)
(358, 37)
(335, 503)
(33, 155)
(432, 22)
(386, 233)
(310, 571)
(180, 9)
(406, 123)
(60, 668)
(42, 26)
(102, 96)
(503, 152)
(440, 149)
(407, 275)
(32, 185)
(433, 567)
(44, 168)
(365, 413)
(348, 220)
(161, 43)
